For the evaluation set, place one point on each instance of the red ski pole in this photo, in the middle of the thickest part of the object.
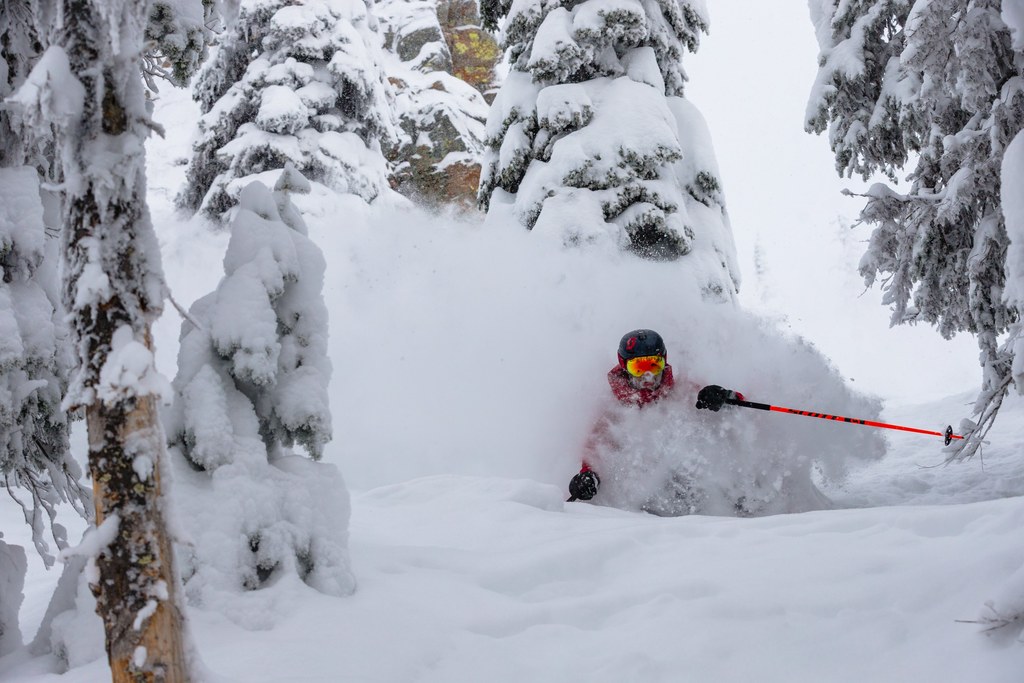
(947, 435)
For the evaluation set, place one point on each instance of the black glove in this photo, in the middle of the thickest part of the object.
(584, 485)
(713, 397)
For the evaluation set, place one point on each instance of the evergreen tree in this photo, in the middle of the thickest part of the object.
(24, 29)
(590, 137)
(176, 36)
(34, 449)
(295, 83)
(113, 290)
(936, 84)
(265, 328)
(252, 381)
(35, 454)
(42, 99)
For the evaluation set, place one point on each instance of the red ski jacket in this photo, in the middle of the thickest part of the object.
(628, 395)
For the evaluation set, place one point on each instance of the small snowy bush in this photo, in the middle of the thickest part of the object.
(252, 381)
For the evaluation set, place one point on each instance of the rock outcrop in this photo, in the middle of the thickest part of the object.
(442, 78)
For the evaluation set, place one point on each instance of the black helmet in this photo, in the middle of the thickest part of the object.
(640, 343)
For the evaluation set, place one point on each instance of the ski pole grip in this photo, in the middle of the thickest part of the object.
(748, 404)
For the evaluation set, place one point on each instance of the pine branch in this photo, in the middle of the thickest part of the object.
(997, 623)
(988, 404)
(32, 515)
(185, 314)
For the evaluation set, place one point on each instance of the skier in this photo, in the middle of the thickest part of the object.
(641, 377)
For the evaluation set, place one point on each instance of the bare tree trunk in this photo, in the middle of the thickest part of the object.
(141, 555)
(114, 289)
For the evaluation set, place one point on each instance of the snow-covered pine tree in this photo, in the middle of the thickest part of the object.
(36, 454)
(176, 38)
(113, 290)
(936, 84)
(291, 82)
(24, 25)
(252, 381)
(35, 363)
(266, 324)
(1005, 613)
(177, 33)
(590, 137)
(1012, 182)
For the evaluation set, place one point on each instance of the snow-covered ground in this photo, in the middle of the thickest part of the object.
(488, 578)
(466, 363)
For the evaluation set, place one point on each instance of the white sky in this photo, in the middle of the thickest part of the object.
(751, 79)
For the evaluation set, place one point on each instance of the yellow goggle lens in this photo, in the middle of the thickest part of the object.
(638, 367)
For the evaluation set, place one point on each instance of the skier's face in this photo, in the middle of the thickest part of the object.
(648, 380)
(645, 372)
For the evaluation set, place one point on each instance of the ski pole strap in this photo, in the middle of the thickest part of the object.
(947, 435)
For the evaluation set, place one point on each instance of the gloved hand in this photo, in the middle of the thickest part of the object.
(584, 485)
(713, 397)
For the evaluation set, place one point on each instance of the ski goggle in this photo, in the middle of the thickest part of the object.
(638, 367)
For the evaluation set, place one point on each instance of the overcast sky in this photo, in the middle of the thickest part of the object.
(751, 79)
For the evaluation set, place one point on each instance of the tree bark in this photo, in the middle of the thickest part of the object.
(137, 570)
